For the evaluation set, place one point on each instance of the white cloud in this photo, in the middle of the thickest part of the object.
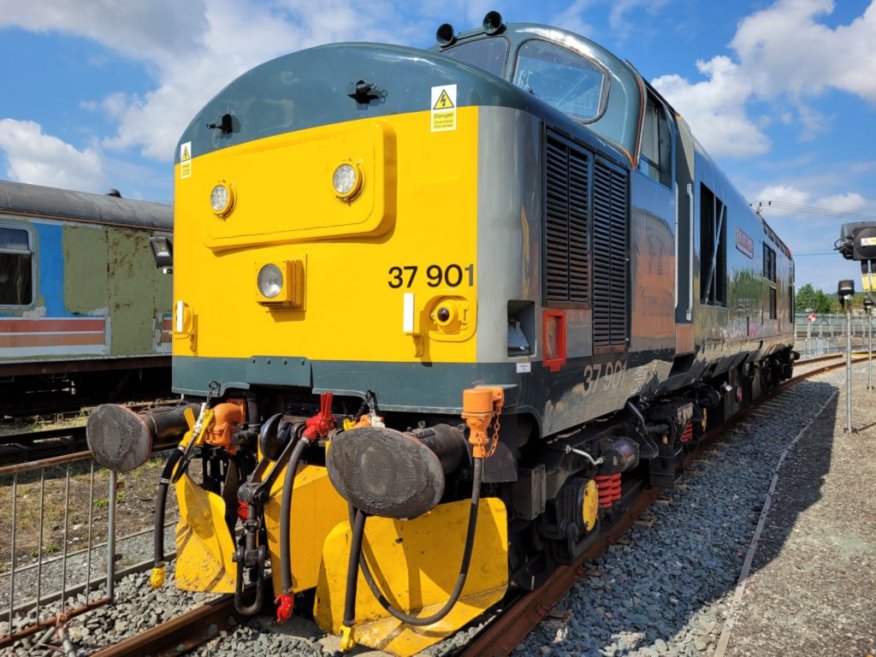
(848, 203)
(786, 51)
(812, 122)
(715, 108)
(35, 157)
(783, 55)
(140, 30)
(787, 200)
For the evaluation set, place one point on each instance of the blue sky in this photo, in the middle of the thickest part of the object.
(781, 93)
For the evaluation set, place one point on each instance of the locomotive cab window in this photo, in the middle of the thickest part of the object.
(570, 82)
(656, 149)
(485, 54)
(16, 269)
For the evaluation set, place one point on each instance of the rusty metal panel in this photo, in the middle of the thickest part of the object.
(85, 270)
(133, 287)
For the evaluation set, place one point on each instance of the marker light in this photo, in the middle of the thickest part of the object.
(270, 281)
(346, 180)
(162, 252)
(221, 199)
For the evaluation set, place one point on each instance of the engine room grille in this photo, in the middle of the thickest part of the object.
(609, 254)
(566, 227)
(585, 236)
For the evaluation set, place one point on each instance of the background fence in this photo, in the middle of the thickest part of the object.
(70, 529)
(826, 334)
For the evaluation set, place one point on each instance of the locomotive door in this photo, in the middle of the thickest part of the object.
(655, 249)
(684, 260)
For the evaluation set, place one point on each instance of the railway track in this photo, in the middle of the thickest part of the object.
(511, 624)
(813, 366)
(179, 634)
(41, 444)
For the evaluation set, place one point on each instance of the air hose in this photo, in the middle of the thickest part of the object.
(358, 531)
(358, 523)
(157, 578)
(284, 611)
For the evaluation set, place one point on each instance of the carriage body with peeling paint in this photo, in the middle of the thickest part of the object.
(83, 310)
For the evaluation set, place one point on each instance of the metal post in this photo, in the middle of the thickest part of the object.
(808, 336)
(66, 524)
(111, 538)
(90, 533)
(849, 367)
(13, 560)
(870, 348)
(39, 576)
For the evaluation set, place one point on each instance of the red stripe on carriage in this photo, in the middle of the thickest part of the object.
(73, 324)
(18, 340)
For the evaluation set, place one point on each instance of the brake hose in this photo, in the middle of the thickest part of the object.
(157, 578)
(284, 611)
(359, 528)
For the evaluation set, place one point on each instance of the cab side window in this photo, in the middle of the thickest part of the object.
(16, 255)
(570, 82)
(656, 150)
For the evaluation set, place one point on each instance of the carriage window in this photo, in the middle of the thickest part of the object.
(570, 82)
(16, 282)
(485, 54)
(656, 160)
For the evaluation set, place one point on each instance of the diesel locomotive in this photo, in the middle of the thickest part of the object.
(443, 313)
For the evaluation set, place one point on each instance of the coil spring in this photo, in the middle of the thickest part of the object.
(687, 434)
(609, 489)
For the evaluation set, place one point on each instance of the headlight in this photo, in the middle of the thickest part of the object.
(270, 281)
(346, 180)
(221, 199)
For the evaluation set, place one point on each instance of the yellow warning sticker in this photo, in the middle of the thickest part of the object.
(443, 101)
(185, 160)
(443, 108)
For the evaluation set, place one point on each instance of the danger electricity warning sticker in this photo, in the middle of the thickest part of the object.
(185, 160)
(443, 108)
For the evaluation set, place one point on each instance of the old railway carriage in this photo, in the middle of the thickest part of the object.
(83, 311)
(374, 243)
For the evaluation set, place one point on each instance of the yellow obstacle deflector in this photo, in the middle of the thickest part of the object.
(203, 542)
(316, 509)
(415, 564)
